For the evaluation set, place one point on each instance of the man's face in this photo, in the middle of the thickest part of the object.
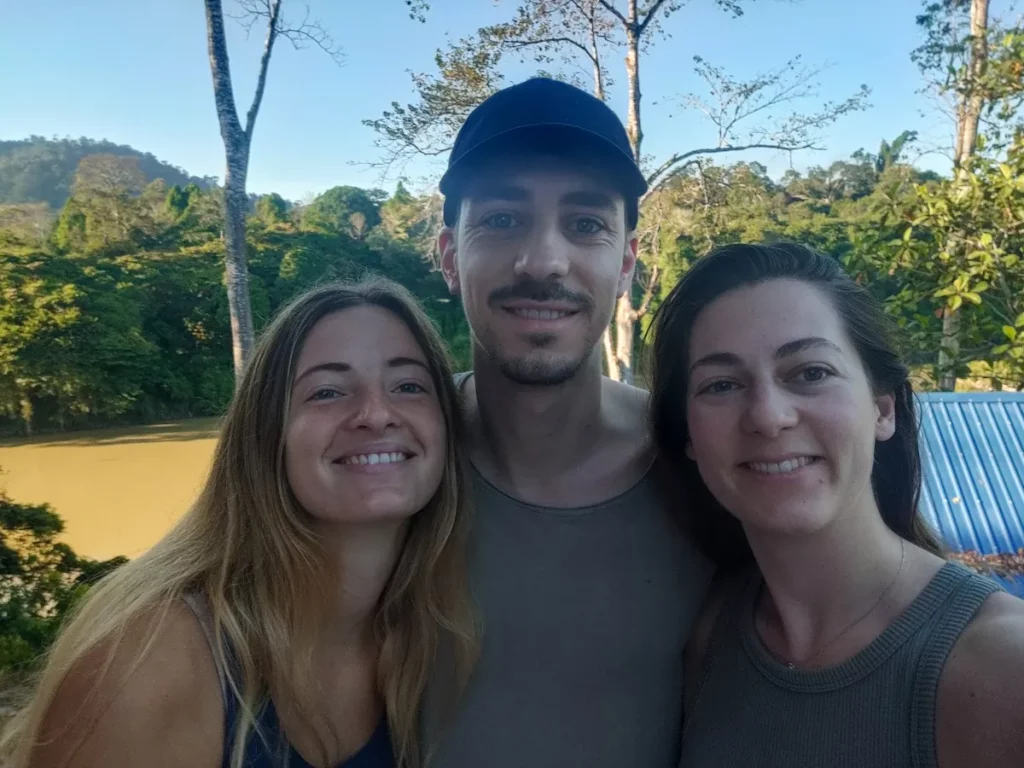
(539, 255)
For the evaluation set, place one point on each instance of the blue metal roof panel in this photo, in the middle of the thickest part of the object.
(972, 447)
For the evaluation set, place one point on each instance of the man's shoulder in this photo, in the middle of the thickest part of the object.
(627, 408)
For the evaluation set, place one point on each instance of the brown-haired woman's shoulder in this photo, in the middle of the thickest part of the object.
(980, 706)
(158, 706)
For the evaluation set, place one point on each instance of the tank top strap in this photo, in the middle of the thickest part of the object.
(963, 593)
(200, 607)
(722, 642)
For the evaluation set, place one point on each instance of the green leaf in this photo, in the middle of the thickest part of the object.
(986, 239)
(907, 234)
(955, 302)
(981, 287)
(1006, 171)
(1001, 349)
(1010, 332)
(972, 297)
(1019, 322)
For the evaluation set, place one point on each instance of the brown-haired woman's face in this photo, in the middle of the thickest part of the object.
(782, 417)
(365, 437)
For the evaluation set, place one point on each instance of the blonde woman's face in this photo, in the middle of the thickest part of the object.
(365, 437)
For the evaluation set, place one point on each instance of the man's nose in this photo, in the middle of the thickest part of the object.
(545, 252)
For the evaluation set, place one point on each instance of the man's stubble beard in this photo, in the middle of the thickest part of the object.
(537, 371)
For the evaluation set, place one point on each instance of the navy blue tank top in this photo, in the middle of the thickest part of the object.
(273, 750)
(276, 752)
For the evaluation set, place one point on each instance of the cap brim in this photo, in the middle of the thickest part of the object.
(549, 138)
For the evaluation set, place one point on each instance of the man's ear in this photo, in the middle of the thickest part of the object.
(449, 264)
(628, 264)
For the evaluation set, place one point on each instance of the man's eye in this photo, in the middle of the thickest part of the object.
(500, 221)
(587, 226)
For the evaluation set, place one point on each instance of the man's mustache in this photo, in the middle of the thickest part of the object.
(536, 290)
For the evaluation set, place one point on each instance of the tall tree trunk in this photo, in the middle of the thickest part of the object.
(595, 56)
(968, 116)
(608, 345)
(625, 316)
(625, 323)
(974, 99)
(236, 270)
(236, 148)
(611, 362)
(26, 414)
(633, 127)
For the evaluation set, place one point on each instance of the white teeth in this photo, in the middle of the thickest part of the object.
(781, 468)
(377, 458)
(540, 314)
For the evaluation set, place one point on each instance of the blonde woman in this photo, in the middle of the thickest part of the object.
(292, 617)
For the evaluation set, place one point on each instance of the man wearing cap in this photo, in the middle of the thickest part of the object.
(586, 585)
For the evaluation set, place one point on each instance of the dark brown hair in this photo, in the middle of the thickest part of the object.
(896, 476)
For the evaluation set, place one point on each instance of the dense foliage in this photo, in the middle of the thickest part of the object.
(118, 314)
(40, 579)
(114, 309)
(891, 226)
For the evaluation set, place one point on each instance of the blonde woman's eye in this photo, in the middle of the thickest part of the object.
(324, 393)
(411, 388)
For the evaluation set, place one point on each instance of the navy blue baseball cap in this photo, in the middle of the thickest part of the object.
(543, 115)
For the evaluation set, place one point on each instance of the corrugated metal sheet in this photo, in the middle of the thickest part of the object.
(972, 447)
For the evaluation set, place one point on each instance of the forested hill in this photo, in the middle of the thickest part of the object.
(40, 170)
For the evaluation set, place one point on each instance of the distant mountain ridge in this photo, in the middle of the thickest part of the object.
(41, 170)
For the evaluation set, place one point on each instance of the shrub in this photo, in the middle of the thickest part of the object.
(40, 580)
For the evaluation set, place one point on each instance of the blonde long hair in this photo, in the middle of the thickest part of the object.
(248, 546)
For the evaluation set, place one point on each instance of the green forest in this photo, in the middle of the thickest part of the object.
(114, 265)
(115, 312)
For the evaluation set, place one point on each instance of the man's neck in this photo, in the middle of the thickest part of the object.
(524, 433)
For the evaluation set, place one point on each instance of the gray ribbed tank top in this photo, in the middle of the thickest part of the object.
(875, 710)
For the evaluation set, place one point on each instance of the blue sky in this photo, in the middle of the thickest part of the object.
(136, 72)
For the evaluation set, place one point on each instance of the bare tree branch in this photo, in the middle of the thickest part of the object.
(261, 81)
(655, 178)
(650, 15)
(614, 11)
(308, 32)
(552, 41)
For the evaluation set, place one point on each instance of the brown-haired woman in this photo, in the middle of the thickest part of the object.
(293, 615)
(838, 635)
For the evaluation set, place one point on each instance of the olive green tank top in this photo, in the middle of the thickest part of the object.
(875, 710)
